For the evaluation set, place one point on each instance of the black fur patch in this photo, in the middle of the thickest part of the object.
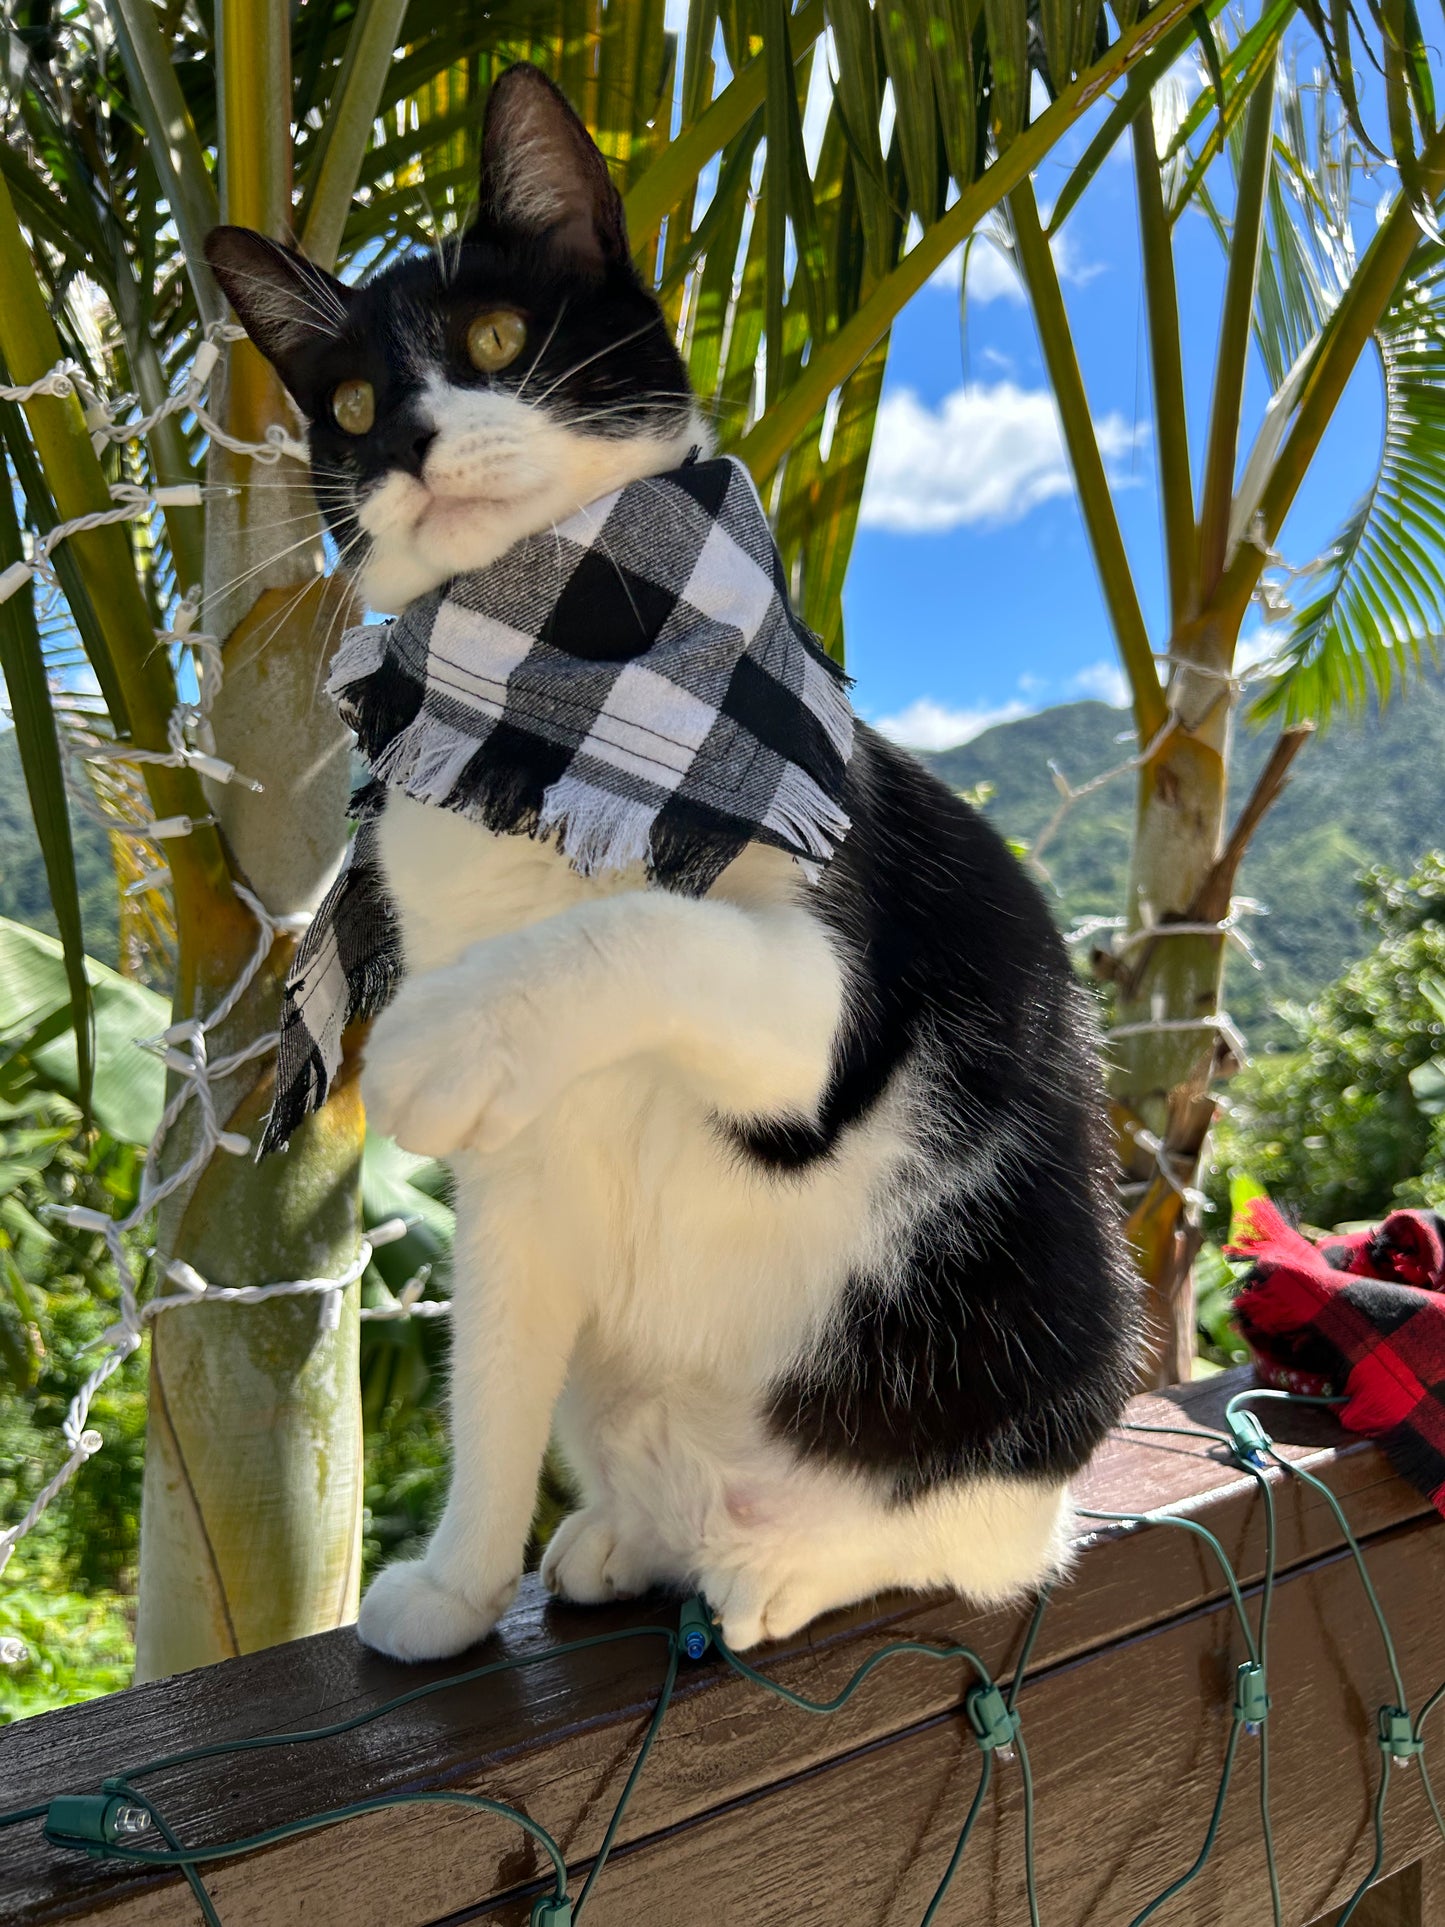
(1003, 1340)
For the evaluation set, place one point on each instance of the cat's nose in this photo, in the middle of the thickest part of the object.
(406, 444)
(421, 441)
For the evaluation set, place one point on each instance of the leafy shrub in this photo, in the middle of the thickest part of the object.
(1350, 1124)
(78, 1645)
(67, 1591)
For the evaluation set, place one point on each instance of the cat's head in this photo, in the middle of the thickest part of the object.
(470, 395)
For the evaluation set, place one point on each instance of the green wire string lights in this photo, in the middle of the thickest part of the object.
(111, 1824)
(1398, 1736)
(94, 1823)
(114, 1822)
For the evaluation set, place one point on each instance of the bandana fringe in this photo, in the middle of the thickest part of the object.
(594, 829)
(801, 813)
(426, 760)
(825, 693)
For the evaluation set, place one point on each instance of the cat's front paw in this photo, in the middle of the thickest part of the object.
(408, 1614)
(419, 1075)
(457, 1060)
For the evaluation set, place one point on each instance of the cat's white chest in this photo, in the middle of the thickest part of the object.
(624, 1180)
(456, 883)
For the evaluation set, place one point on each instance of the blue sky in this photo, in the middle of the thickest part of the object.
(971, 595)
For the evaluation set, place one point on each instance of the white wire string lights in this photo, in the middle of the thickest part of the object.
(185, 1047)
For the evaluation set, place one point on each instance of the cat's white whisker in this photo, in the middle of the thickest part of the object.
(541, 352)
(610, 348)
(313, 536)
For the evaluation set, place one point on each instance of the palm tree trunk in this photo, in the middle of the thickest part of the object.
(1166, 1042)
(250, 1522)
(251, 1517)
(1170, 1043)
(1165, 1047)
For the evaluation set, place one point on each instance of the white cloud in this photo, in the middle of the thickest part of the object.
(929, 724)
(1105, 682)
(1259, 646)
(988, 453)
(1073, 268)
(926, 724)
(992, 275)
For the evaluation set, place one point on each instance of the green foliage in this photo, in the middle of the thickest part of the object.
(407, 1457)
(67, 1588)
(24, 890)
(37, 1036)
(399, 1358)
(407, 1460)
(78, 1644)
(1219, 1342)
(1373, 604)
(1375, 601)
(1348, 1126)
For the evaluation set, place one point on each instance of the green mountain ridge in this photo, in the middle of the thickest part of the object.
(1367, 790)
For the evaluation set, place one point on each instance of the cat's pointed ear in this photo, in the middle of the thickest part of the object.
(542, 172)
(285, 303)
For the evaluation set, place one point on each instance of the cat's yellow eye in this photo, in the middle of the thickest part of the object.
(495, 339)
(353, 406)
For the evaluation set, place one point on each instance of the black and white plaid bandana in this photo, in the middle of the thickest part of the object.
(632, 685)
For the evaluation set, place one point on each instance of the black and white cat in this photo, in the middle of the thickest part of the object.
(794, 1221)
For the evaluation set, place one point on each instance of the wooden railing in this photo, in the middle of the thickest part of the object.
(752, 1814)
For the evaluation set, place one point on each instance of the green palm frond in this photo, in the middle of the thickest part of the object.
(1308, 254)
(1372, 605)
(27, 686)
(1307, 251)
(1372, 608)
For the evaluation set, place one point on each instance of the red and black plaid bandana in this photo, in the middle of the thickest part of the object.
(1363, 1316)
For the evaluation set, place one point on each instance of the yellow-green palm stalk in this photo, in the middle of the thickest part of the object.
(251, 1512)
(1295, 287)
